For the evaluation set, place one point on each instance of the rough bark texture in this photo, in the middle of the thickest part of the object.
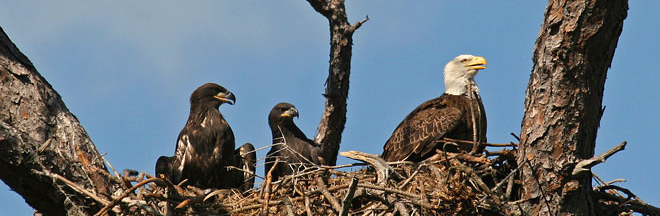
(563, 103)
(39, 137)
(329, 132)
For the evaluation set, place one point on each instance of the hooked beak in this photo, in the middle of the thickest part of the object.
(291, 112)
(226, 97)
(477, 63)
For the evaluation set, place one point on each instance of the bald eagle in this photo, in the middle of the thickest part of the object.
(205, 146)
(449, 116)
(290, 145)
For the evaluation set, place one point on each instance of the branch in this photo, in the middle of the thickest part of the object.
(328, 196)
(585, 165)
(383, 170)
(125, 194)
(627, 204)
(346, 203)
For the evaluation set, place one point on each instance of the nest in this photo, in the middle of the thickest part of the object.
(448, 184)
(445, 184)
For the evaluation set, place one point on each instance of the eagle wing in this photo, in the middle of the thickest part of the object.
(416, 134)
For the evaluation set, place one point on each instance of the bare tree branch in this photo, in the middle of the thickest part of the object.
(332, 123)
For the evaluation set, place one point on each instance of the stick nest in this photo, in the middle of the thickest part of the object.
(447, 184)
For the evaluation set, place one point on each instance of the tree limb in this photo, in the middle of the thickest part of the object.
(585, 165)
(330, 129)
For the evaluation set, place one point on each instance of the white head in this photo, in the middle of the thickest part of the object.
(460, 72)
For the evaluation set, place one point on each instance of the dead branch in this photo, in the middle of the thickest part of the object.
(585, 165)
(74, 186)
(328, 196)
(346, 204)
(125, 194)
(382, 168)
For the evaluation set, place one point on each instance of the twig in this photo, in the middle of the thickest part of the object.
(346, 204)
(328, 196)
(411, 177)
(390, 190)
(507, 177)
(307, 209)
(383, 170)
(74, 186)
(358, 24)
(111, 167)
(585, 165)
(633, 205)
(515, 136)
(125, 194)
(467, 157)
(511, 144)
(140, 204)
(245, 171)
(267, 186)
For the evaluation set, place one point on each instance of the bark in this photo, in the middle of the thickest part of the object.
(330, 129)
(41, 140)
(563, 103)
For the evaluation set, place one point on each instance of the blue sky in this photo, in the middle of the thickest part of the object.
(126, 70)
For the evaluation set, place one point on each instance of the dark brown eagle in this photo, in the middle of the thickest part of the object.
(290, 145)
(205, 146)
(449, 116)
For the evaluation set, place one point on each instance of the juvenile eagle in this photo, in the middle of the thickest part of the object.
(449, 116)
(290, 145)
(205, 146)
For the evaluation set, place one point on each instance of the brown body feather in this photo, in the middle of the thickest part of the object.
(205, 146)
(448, 116)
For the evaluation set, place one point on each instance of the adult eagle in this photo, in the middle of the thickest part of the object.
(456, 114)
(205, 146)
(290, 145)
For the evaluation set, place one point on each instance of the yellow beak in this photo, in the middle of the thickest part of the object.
(477, 63)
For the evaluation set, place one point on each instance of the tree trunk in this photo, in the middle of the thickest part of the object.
(40, 140)
(329, 132)
(563, 103)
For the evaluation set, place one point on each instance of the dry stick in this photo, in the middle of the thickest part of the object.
(307, 209)
(390, 190)
(267, 185)
(245, 171)
(74, 186)
(412, 176)
(383, 170)
(110, 165)
(328, 196)
(601, 180)
(140, 204)
(585, 165)
(509, 189)
(346, 204)
(633, 205)
(125, 194)
(474, 177)
(468, 157)
(470, 142)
